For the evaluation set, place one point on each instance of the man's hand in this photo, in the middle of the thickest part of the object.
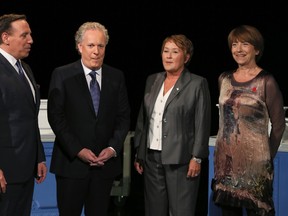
(138, 166)
(41, 172)
(104, 156)
(194, 169)
(3, 182)
(87, 156)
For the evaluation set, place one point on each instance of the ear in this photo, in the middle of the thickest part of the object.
(5, 38)
(187, 58)
(79, 47)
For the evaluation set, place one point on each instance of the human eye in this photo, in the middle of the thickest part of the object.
(101, 46)
(24, 35)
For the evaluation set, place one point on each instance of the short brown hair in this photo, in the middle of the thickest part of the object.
(182, 42)
(250, 34)
(6, 20)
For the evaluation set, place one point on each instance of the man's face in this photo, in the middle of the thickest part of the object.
(92, 49)
(19, 39)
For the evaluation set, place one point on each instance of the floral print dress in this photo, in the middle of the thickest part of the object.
(245, 147)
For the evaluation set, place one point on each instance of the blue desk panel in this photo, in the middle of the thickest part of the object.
(44, 200)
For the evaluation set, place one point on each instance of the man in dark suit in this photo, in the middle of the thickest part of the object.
(89, 140)
(21, 152)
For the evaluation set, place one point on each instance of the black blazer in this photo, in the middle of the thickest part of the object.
(73, 120)
(20, 144)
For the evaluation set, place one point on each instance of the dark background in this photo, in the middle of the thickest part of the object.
(137, 29)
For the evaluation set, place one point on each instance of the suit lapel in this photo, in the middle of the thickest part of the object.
(34, 84)
(154, 91)
(183, 80)
(83, 87)
(11, 71)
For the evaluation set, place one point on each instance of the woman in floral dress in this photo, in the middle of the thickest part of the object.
(245, 146)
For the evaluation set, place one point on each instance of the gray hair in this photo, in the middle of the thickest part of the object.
(88, 26)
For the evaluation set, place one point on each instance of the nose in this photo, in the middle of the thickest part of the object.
(30, 39)
(169, 54)
(96, 50)
(239, 48)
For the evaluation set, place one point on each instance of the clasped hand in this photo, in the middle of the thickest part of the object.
(88, 156)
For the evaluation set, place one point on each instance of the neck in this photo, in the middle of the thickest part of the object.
(247, 69)
(172, 76)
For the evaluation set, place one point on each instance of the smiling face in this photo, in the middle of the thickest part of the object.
(244, 53)
(173, 58)
(246, 42)
(92, 48)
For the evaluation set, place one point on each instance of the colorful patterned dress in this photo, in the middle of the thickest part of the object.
(244, 151)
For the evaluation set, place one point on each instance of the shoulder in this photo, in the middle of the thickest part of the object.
(192, 78)
(70, 66)
(155, 76)
(26, 66)
(265, 74)
(68, 70)
(268, 78)
(110, 69)
(226, 74)
(112, 72)
(197, 77)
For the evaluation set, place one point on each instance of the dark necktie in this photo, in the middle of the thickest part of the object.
(95, 91)
(22, 75)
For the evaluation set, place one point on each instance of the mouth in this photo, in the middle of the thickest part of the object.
(96, 59)
(240, 55)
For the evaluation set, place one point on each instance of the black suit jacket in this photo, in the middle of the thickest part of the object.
(73, 120)
(20, 144)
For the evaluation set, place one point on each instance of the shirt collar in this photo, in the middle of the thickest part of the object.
(88, 70)
(9, 57)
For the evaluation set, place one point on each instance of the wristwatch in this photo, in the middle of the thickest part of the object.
(198, 160)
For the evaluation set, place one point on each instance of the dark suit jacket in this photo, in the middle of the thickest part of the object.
(20, 145)
(73, 120)
(185, 122)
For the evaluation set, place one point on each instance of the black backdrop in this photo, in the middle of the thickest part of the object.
(137, 30)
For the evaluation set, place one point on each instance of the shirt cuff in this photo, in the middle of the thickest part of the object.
(115, 153)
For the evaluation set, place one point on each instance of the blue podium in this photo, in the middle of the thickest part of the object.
(44, 199)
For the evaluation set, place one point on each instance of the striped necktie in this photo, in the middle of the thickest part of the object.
(94, 91)
(22, 75)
